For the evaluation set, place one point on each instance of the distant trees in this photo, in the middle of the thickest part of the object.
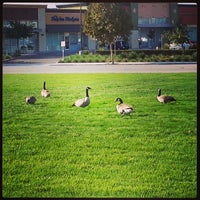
(106, 22)
(178, 35)
(17, 30)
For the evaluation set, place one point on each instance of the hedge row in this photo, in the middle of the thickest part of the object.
(131, 56)
(166, 52)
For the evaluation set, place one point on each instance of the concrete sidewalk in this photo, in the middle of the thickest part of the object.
(48, 63)
(97, 68)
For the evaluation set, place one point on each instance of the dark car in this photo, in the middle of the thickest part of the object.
(120, 45)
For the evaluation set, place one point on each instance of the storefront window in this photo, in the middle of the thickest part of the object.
(73, 38)
(146, 21)
(33, 23)
(53, 41)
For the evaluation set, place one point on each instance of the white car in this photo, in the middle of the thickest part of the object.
(175, 46)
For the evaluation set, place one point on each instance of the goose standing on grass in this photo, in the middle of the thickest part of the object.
(45, 92)
(84, 101)
(122, 108)
(164, 98)
(30, 100)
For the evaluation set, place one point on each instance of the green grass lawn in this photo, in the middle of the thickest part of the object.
(52, 149)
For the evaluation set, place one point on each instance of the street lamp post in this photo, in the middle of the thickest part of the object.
(81, 26)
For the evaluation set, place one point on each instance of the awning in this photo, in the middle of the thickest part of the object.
(62, 28)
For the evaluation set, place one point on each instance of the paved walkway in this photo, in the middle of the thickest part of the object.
(43, 64)
(100, 68)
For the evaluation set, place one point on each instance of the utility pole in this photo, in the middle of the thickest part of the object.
(81, 27)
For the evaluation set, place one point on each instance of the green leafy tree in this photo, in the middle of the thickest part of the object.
(106, 22)
(177, 35)
(17, 30)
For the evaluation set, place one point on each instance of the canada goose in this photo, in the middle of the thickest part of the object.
(30, 99)
(122, 108)
(164, 98)
(84, 101)
(45, 92)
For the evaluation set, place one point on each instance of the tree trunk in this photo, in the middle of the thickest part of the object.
(111, 54)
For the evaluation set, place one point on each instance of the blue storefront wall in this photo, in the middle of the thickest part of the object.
(57, 33)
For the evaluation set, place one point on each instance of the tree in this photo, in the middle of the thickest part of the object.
(16, 30)
(178, 35)
(106, 22)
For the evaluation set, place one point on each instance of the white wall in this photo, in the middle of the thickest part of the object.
(91, 44)
(42, 27)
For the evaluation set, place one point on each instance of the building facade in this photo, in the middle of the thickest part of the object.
(36, 16)
(151, 20)
(187, 15)
(51, 26)
(64, 25)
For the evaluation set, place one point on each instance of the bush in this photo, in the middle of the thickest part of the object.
(6, 56)
(194, 56)
(165, 46)
(178, 58)
(135, 56)
(187, 58)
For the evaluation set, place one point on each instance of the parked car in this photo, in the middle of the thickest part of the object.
(120, 45)
(193, 45)
(186, 45)
(175, 46)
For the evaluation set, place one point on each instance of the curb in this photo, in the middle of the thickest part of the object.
(126, 63)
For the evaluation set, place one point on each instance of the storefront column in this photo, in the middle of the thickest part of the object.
(134, 39)
(41, 26)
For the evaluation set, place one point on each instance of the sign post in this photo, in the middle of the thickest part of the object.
(63, 49)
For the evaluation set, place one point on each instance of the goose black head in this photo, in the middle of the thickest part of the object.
(87, 88)
(119, 99)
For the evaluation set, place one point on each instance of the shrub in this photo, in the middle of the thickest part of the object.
(194, 56)
(165, 46)
(6, 56)
(178, 58)
(187, 58)
(142, 55)
(171, 58)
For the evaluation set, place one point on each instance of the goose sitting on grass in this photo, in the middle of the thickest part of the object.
(30, 100)
(45, 92)
(164, 98)
(122, 108)
(84, 101)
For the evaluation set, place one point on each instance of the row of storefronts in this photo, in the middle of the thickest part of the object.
(52, 26)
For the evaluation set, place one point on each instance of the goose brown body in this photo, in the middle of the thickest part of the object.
(30, 100)
(164, 98)
(45, 92)
(84, 101)
(122, 108)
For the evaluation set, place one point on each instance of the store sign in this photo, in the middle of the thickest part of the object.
(63, 18)
(58, 18)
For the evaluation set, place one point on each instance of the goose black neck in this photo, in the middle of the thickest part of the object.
(44, 86)
(159, 92)
(87, 95)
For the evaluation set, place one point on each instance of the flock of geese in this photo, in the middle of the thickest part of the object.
(122, 108)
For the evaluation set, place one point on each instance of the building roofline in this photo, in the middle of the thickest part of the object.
(23, 5)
